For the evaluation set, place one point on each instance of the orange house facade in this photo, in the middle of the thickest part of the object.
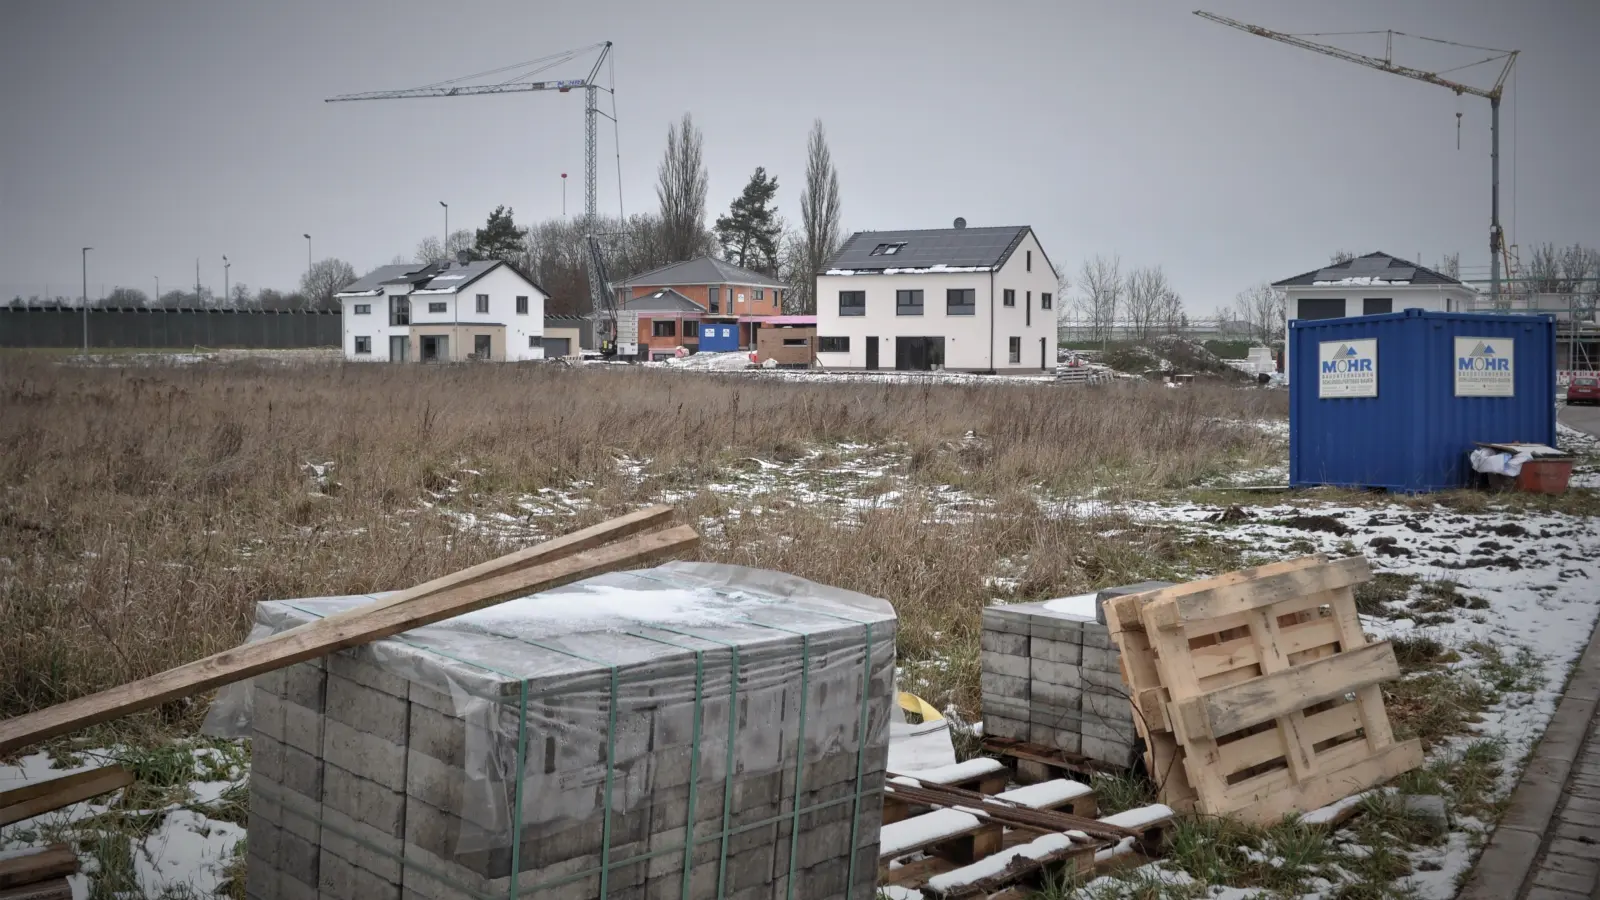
(702, 304)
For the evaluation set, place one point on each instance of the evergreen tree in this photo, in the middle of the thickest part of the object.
(499, 238)
(749, 232)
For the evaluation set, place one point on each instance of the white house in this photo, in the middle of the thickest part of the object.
(964, 299)
(1371, 285)
(443, 311)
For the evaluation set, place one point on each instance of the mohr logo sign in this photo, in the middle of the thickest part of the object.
(1485, 367)
(1347, 368)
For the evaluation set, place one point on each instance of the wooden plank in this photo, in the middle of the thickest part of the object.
(1201, 762)
(1374, 718)
(1213, 601)
(1256, 749)
(35, 864)
(54, 889)
(1132, 618)
(318, 639)
(1254, 790)
(1275, 696)
(47, 796)
(1242, 652)
(1390, 762)
(914, 873)
(1296, 747)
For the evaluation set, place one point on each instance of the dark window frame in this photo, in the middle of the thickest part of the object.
(535, 341)
(833, 344)
(1366, 304)
(363, 309)
(522, 304)
(1008, 297)
(663, 328)
(487, 341)
(363, 345)
(1326, 304)
(714, 298)
(888, 249)
(758, 294)
(855, 309)
(438, 306)
(399, 310)
(483, 304)
(1045, 301)
(970, 308)
(796, 342)
(908, 302)
(1014, 349)
(1030, 260)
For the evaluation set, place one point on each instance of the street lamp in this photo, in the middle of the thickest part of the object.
(563, 195)
(158, 290)
(444, 248)
(225, 266)
(86, 301)
(308, 255)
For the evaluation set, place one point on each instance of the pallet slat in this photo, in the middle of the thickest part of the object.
(33, 865)
(47, 796)
(1280, 693)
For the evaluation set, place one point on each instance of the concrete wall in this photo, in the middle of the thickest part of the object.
(771, 344)
(979, 342)
(167, 328)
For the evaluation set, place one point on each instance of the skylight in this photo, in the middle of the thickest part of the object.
(887, 249)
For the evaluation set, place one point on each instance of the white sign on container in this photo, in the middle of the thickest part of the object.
(1485, 367)
(1347, 368)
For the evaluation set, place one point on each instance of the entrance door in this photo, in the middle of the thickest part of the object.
(872, 354)
(482, 347)
(399, 348)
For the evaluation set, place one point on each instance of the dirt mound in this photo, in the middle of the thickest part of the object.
(1168, 355)
(1317, 523)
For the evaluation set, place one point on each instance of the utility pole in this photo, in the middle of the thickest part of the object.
(86, 301)
(158, 289)
(308, 258)
(225, 266)
(444, 245)
(197, 302)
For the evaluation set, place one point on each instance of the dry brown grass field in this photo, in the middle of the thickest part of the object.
(145, 509)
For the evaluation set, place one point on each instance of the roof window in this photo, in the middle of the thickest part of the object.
(888, 249)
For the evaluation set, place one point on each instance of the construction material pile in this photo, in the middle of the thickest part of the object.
(689, 730)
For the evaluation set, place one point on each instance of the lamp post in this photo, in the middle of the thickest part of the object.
(158, 289)
(86, 301)
(308, 256)
(563, 195)
(444, 246)
(225, 266)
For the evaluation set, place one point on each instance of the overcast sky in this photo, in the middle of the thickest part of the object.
(161, 131)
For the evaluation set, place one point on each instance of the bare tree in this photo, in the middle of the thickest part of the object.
(1450, 264)
(1102, 284)
(1340, 256)
(428, 249)
(326, 278)
(1544, 270)
(819, 218)
(1170, 314)
(1150, 302)
(1262, 308)
(681, 190)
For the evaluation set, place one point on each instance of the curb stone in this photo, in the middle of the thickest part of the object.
(1507, 862)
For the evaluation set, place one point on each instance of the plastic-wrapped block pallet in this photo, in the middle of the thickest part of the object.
(1053, 677)
(689, 731)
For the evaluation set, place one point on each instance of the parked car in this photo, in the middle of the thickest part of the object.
(1583, 389)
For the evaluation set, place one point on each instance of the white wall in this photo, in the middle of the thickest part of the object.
(503, 285)
(374, 324)
(1430, 297)
(969, 343)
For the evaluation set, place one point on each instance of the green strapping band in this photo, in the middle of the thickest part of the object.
(516, 805)
(800, 746)
(694, 751)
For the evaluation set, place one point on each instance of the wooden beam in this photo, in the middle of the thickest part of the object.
(317, 639)
(53, 889)
(1211, 600)
(47, 796)
(34, 864)
(1276, 695)
(1390, 762)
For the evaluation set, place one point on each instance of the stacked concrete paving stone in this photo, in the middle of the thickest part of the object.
(1054, 679)
(391, 770)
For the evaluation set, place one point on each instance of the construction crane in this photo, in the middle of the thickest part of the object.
(1496, 234)
(518, 83)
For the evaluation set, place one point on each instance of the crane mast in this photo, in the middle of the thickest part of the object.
(518, 84)
(1497, 246)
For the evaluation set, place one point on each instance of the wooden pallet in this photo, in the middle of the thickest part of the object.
(1262, 688)
(1033, 763)
(956, 855)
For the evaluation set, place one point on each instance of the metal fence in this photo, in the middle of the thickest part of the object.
(36, 326)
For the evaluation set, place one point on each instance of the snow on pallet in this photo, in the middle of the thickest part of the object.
(1242, 686)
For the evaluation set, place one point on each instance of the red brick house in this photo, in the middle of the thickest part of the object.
(711, 287)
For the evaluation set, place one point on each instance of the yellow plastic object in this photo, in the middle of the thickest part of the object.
(911, 703)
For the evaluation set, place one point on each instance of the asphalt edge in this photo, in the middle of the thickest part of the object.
(1513, 849)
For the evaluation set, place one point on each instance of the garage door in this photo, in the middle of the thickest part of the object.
(554, 346)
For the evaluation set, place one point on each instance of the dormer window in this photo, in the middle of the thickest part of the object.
(888, 249)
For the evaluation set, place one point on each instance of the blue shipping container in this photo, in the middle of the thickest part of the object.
(718, 337)
(1397, 401)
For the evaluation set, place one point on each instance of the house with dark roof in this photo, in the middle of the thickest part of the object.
(963, 299)
(1371, 285)
(684, 294)
(443, 311)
